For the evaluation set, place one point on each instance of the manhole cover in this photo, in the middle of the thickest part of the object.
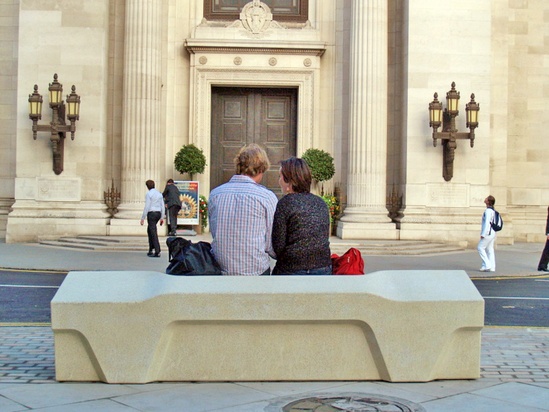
(354, 402)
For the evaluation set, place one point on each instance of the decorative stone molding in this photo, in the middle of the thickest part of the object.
(256, 17)
(256, 23)
(196, 46)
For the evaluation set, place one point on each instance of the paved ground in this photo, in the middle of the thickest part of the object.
(517, 260)
(514, 361)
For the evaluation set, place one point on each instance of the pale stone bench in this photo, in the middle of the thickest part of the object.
(138, 327)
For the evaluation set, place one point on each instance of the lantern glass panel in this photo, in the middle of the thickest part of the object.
(55, 96)
(473, 116)
(73, 107)
(35, 108)
(436, 115)
(452, 104)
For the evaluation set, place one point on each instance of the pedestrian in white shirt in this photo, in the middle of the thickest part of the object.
(485, 245)
(154, 211)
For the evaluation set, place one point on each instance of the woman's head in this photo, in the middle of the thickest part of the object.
(251, 161)
(295, 176)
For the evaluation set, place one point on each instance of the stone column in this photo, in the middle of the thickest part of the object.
(142, 104)
(366, 215)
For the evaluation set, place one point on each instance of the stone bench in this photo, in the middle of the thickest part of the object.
(138, 327)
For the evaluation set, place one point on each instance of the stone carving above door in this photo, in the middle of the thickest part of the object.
(256, 17)
(256, 22)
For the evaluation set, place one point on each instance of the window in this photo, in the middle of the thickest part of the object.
(283, 10)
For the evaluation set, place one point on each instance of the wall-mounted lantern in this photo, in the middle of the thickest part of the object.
(449, 133)
(58, 127)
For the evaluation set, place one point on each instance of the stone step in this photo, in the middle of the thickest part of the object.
(102, 243)
(395, 247)
(429, 249)
(337, 246)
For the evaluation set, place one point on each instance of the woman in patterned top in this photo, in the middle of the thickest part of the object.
(301, 224)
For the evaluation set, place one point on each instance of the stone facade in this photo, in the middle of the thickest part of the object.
(365, 73)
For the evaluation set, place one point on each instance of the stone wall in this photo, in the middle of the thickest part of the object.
(71, 41)
(9, 20)
(496, 50)
(525, 155)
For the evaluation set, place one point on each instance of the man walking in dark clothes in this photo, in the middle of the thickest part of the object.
(173, 203)
(544, 260)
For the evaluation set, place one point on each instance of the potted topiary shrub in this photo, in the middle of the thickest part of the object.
(321, 164)
(190, 159)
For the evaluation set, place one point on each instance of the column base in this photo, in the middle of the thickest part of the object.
(130, 211)
(31, 221)
(5, 206)
(365, 230)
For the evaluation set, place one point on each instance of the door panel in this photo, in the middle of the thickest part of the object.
(229, 117)
(241, 116)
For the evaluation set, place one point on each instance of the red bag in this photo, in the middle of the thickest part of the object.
(350, 263)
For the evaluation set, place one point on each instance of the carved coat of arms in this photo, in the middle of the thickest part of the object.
(256, 16)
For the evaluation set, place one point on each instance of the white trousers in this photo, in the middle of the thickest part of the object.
(486, 251)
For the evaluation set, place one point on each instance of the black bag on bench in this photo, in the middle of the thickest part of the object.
(188, 258)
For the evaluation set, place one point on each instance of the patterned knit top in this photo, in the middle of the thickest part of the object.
(300, 233)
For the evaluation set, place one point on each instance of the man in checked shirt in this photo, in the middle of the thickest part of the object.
(241, 215)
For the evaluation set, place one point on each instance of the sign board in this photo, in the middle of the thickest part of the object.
(190, 212)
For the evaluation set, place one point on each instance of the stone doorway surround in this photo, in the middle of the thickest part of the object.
(265, 55)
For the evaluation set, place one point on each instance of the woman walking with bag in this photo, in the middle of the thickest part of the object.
(487, 237)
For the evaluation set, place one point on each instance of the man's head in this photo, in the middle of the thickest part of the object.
(170, 181)
(490, 201)
(149, 184)
(251, 161)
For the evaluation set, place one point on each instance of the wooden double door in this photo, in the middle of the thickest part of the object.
(241, 116)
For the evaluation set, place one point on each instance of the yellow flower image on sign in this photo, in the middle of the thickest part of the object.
(188, 207)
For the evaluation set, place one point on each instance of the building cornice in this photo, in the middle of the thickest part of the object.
(250, 47)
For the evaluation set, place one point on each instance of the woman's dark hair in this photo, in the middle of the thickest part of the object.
(296, 172)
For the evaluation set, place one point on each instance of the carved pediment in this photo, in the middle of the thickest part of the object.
(256, 29)
(256, 17)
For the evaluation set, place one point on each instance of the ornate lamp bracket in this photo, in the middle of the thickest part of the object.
(449, 134)
(58, 126)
